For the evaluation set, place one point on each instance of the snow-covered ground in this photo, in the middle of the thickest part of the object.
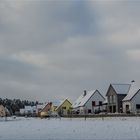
(66, 129)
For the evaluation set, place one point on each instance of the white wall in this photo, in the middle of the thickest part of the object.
(132, 103)
(124, 106)
(96, 97)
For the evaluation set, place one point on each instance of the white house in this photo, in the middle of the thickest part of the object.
(88, 103)
(131, 103)
(28, 110)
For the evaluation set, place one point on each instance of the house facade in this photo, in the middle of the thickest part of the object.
(115, 94)
(28, 111)
(64, 108)
(89, 102)
(131, 103)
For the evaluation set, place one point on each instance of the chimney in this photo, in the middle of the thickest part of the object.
(85, 92)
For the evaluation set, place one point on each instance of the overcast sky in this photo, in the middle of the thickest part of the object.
(55, 49)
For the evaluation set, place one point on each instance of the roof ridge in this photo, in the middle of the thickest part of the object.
(88, 91)
(119, 84)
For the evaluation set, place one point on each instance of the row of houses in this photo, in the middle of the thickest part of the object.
(120, 98)
(57, 108)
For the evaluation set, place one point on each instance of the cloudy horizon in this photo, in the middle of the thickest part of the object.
(54, 49)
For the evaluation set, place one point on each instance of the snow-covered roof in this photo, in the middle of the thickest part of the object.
(83, 99)
(121, 88)
(40, 106)
(133, 90)
(28, 108)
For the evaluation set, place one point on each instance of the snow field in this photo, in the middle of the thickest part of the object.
(115, 128)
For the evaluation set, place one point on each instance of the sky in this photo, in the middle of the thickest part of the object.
(55, 49)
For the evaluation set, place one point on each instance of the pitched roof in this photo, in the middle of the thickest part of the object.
(121, 88)
(81, 101)
(46, 107)
(61, 103)
(40, 106)
(132, 92)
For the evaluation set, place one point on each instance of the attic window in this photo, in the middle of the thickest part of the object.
(64, 107)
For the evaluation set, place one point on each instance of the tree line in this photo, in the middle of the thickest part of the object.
(14, 105)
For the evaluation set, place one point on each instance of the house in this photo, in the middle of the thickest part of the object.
(115, 94)
(64, 107)
(88, 103)
(39, 108)
(28, 110)
(131, 103)
(46, 111)
(2, 111)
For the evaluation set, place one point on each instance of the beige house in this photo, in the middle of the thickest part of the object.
(2, 111)
(46, 111)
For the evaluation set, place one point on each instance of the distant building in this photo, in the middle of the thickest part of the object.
(115, 94)
(28, 110)
(2, 111)
(39, 108)
(89, 102)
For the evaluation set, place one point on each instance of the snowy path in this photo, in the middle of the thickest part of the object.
(75, 129)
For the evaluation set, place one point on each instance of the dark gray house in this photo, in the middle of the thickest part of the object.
(115, 94)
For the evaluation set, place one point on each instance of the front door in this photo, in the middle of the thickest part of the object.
(127, 108)
(114, 108)
(110, 109)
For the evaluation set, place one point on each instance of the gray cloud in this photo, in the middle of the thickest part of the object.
(56, 49)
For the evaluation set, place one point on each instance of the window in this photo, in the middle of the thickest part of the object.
(114, 98)
(100, 103)
(89, 110)
(93, 103)
(63, 107)
(127, 107)
(110, 99)
(137, 106)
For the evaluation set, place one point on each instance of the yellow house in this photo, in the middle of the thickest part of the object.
(64, 107)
